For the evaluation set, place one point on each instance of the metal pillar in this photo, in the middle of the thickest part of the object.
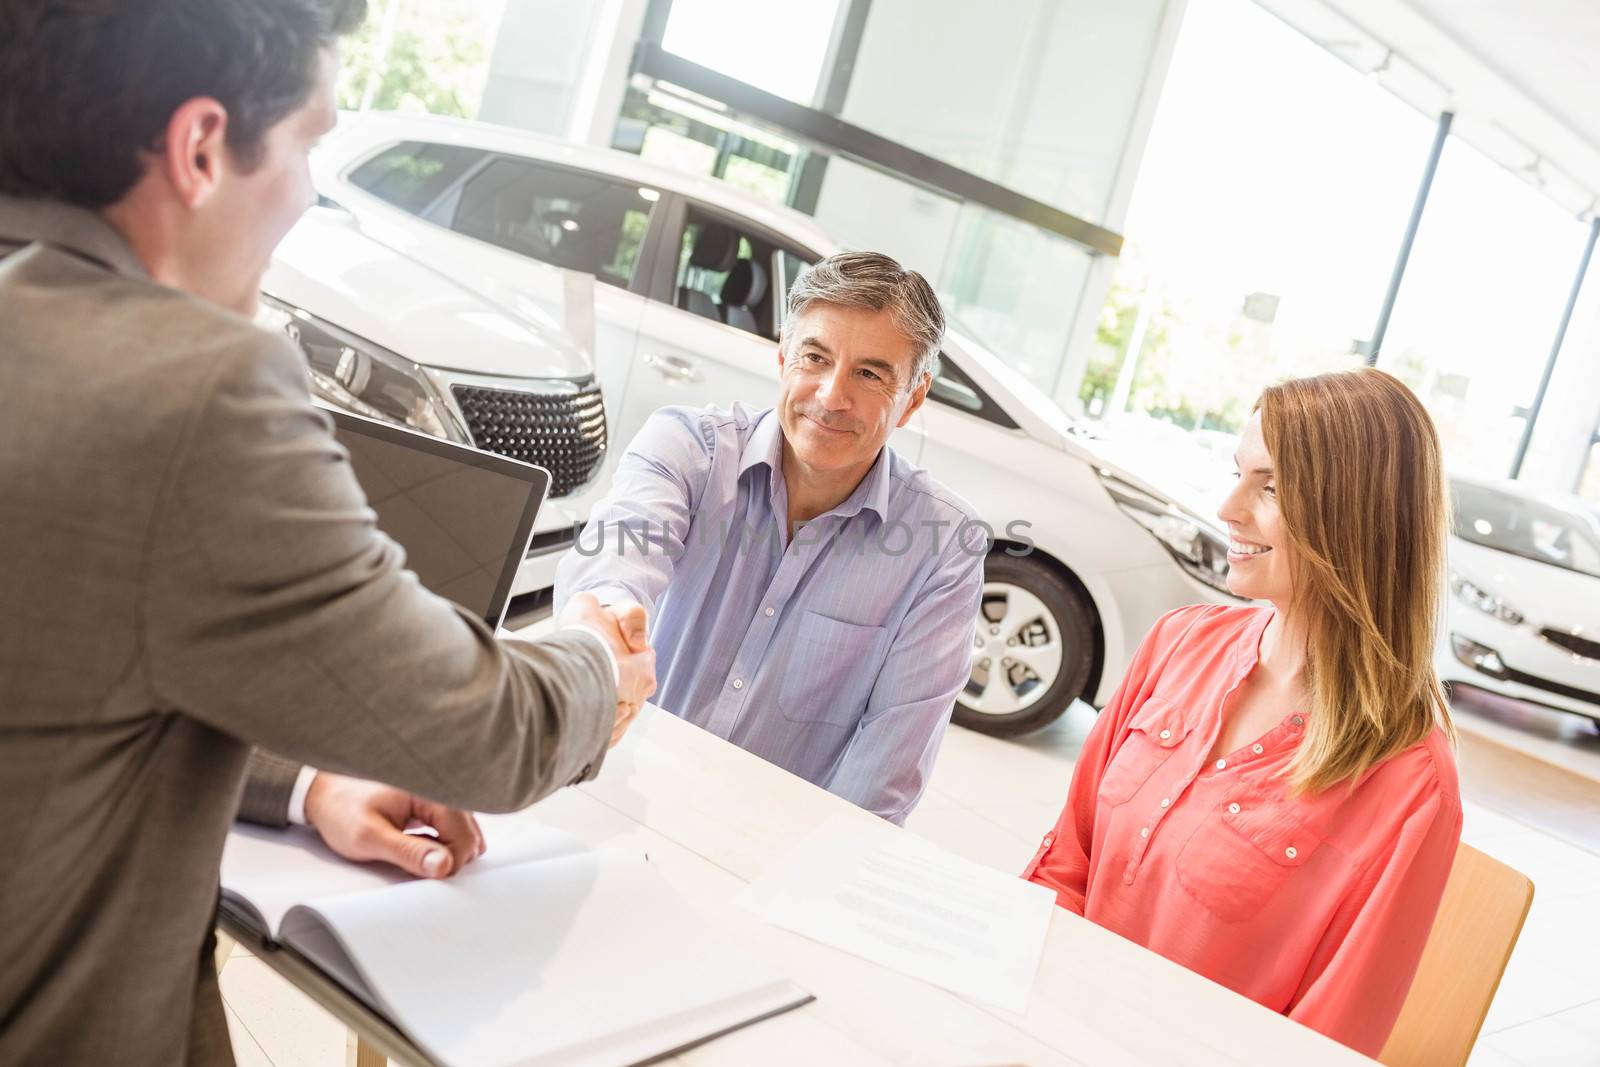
(1439, 134)
(1555, 349)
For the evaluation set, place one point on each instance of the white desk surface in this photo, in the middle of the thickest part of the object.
(713, 817)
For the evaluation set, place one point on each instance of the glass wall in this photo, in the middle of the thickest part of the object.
(1262, 235)
(420, 55)
(1270, 204)
(1480, 306)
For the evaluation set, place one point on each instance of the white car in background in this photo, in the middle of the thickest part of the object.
(1524, 599)
(464, 279)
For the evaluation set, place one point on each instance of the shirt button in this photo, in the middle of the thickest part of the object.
(1221, 763)
(770, 613)
(1233, 809)
(1298, 720)
(1257, 749)
(738, 683)
(1165, 734)
(1144, 831)
(1290, 852)
(1165, 801)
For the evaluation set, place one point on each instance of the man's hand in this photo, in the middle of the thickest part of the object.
(623, 627)
(632, 624)
(365, 821)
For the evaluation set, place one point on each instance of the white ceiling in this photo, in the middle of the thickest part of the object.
(1522, 76)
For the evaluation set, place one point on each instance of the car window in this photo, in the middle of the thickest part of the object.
(411, 175)
(567, 218)
(725, 273)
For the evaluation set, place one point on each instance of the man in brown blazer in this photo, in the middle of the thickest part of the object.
(187, 565)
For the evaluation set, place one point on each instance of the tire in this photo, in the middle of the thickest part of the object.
(1051, 630)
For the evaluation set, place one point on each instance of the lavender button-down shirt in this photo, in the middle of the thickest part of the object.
(836, 656)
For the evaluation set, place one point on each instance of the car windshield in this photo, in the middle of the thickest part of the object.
(1532, 529)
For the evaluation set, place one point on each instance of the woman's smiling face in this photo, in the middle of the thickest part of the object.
(1258, 560)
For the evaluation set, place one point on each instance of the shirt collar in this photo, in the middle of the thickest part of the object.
(765, 445)
(69, 227)
(1247, 649)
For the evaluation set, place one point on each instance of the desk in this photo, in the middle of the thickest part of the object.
(712, 818)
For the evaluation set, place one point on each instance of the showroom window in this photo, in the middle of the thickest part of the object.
(411, 175)
(1589, 478)
(1261, 233)
(1480, 305)
(570, 219)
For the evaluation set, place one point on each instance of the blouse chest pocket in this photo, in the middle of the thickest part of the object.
(1243, 854)
(828, 675)
(1154, 733)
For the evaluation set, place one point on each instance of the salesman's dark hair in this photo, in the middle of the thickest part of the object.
(86, 85)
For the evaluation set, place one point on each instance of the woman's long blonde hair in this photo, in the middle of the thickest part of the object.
(1361, 488)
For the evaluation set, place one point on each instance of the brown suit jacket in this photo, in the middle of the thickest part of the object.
(187, 569)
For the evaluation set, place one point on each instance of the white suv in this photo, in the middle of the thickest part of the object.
(1524, 601)
(496, 230)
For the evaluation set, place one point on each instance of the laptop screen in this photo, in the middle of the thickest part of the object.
(463, 516)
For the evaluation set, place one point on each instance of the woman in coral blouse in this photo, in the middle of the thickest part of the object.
(1270, 799)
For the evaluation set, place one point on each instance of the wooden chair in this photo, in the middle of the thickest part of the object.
(1479, 920)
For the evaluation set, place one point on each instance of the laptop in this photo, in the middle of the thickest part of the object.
(463, 516)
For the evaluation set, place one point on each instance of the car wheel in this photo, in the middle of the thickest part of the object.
(1032, 652)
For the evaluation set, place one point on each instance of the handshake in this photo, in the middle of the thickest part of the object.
(622, 627)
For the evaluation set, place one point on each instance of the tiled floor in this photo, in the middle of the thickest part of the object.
(992, 800)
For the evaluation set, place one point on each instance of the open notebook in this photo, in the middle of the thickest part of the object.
(541, 951)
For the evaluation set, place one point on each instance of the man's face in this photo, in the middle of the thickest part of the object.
(241, 225)
(846, 385)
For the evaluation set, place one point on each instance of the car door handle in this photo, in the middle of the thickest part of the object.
(673, 368)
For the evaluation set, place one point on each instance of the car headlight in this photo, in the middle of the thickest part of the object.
(361, 377)
(1198, 549)
(1484, 601)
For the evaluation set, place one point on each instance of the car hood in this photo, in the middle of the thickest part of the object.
(1044, 420)
(328, 267)
(1547, 595)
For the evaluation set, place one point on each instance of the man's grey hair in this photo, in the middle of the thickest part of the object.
(872, 281)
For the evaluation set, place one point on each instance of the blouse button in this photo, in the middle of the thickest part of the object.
(1221, 763)
(1165, 734)
(1165, 801)
(1290, 852)
(1298, 720)
(1257, 749)
(1144, 831)
(1233, 809)
(771, 612)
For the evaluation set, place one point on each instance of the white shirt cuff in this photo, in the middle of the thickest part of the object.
(605, 646)
(297, 798)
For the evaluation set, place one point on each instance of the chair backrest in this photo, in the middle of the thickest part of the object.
(1479, 920)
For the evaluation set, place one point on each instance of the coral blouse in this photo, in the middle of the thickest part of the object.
(1316, 906)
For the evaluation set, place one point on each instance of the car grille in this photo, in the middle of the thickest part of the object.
(1578, 646)
(563, 432)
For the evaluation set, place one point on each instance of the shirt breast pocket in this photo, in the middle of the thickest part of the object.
(830, 671)
(1154, 732)
(1242, 855)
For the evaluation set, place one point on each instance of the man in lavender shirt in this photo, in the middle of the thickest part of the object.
(811, 594)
